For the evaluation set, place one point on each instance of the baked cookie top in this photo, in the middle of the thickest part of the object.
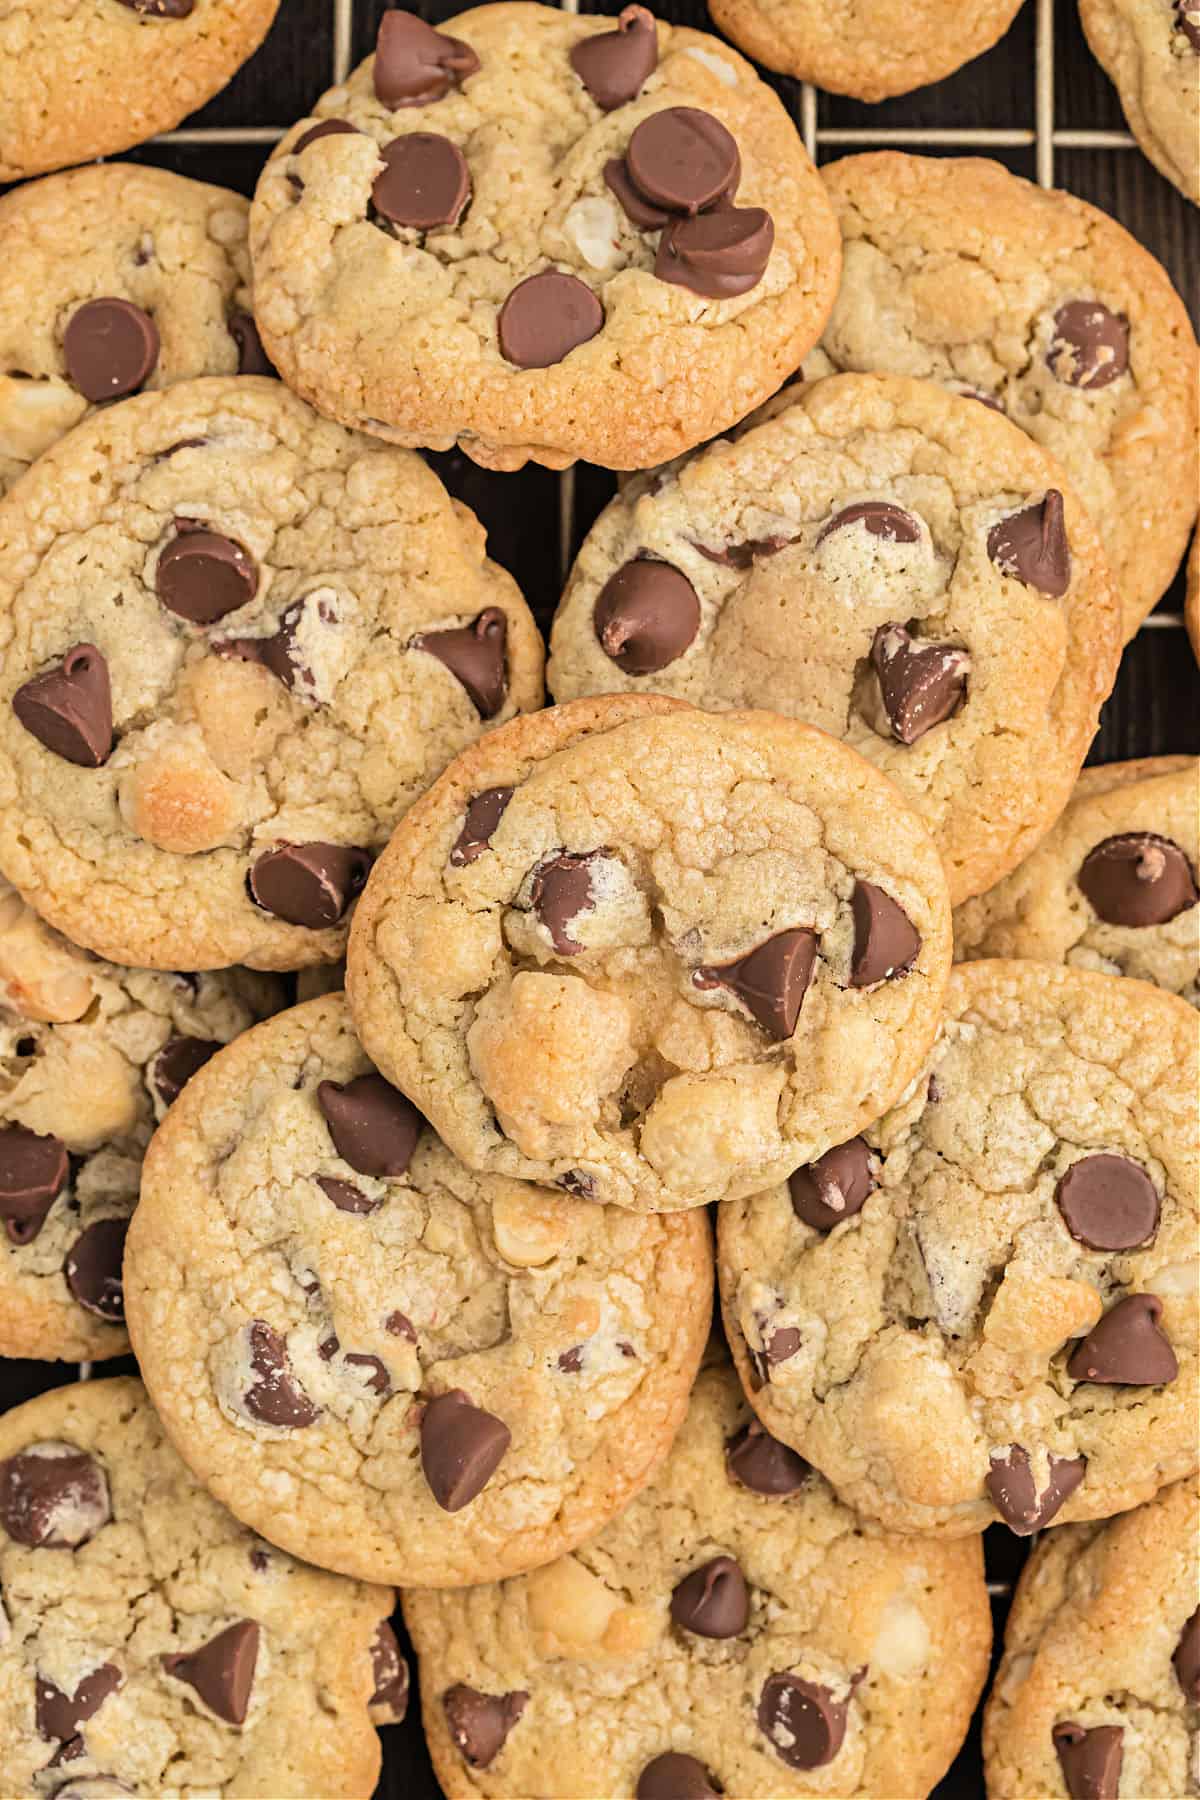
(383, 1362)
(1046, 309)
(1148, 50)
(1113, 885)
(653, 955)
(237, 641)
(985, 1306)
(151, 1644)
(545, 236)
(91, 1056)
(734, 1631)
(84, 78)
(1191, 604)
(1099, 1690)
(885, 560)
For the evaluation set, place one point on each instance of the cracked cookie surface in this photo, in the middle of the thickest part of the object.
(985, 1307)
(735, 1630)
(1149, 51)
(652, 954)
(383, 1362)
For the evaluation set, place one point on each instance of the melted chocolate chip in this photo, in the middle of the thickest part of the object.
(389, 1702)
(778, 1346)
(252, 358)
(462, 1446)
(646, 616)
(1090, 1759)
(881, 518)
(571, 1361)
(92, 1268)
(68, 709)
(202, 575)
(1108, 1202)
(53, 1497)
(309, 884)
(545, 317)
(416, 65)
(713, 1601)
(60, 1715)
(613, 65)
(110, 347)
(1186, 1659)
(479, 1724)
(484, 812)
(400, 1325)
(373, 1127)
(579, 1183)
(345, 1196)
(424, 183)
(674, 1776)
(1031, 546)
(374, 1371)
(718, 254)
(161, 9)
(1187, 20)
(763, 1464)
(803, 1722)
(886, 942)
(475, 655)
(1137, 879)
(683, 159)
(33, 1172)
(921, 684)
(1090, 345)
(175, 1064)
(560, 891)
(746, 554)
(1128, 1348)
(327, 128)
(1014, 1493)
(835, 1187)
(771, 980)
(637, 209)
(275, 1396)
(221, 1671)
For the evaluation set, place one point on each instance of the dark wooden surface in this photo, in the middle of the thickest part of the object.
(1155, 707)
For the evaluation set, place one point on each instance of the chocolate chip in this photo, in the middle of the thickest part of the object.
(886, 942)
(221, 1671)
(416, 65)
(53, 1497)
(259, 1561)
(571, 1361)
(275, 1396)
(374, 1371)
(647, 615)
(744, 555)
(279, 651)
(778, 1346)
(389, 1702)
(69, 708)
(33, 1172)
(560, 891)
(484, 813)
(763, 1464)
(327, 128)
(479, 1724)
(1031, 545)
(835, 1187)
(613, 65)
(718, 254)
(400, 1325)
(921, 684)
(328, 1348)
(674, 1776)
(345, 1196)
(252, 358)
(202, 575)
(161, 9)
(1108, 1202)
(110, 347)
(713, 1601)
(177, 1062)
(545, 317)
(1014, 1493)
(475, 655)
(1090, 1759)
(461, 1448)
(880, 518)
(683, 159)
(1186, 1658)
(581, 1184)
(1090, 345)
(309, 884)
(425, 181)
(1128, 1348)
(1138, 879)
(637, 209)
(60, 1715)
(1188, 21)
(92, 1267)
(802, 1720)
(770, 981)
(373, 1127)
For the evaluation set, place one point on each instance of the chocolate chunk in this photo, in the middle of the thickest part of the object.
(674, 1776)
(69, 708)
(345, 1196)
(770, 981)
(571, 1361)
(309, 884)
(53, 1497)
(252, 358)
(683, 159)
(373, 1127)
(718, 254)
(560, 891)
(1128, 1348)
(880, 518)
(1138, 879)
(400, 1325)
(480, 1723)
(374, 1371)
(33, 1172)
(921, 684)
(60, 1715)
(613, 65)
(713, 1601)
(1108, 1202)
(110, 347)
(637, 209)
(1186, 1658)
(1031, 545)
(389, 1702)
(802, 1720)
(475, 655)
(327, 128)
(1090, 345)
(886, 942)
(461, 1448)
(545, 317)
(484, 813)
(416, 65)
(1013, 1491)
(763, 1464)
(275, 1396)
(425, 181)
(221, 1671)
(1090, 1759)
(202, 575)
(177, 1062)
(161, 9)
(835, 1187)
(646, 616)
(92, 1267)
(1188, 21)
(744, 555)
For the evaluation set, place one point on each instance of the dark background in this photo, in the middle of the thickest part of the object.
(1155, 707)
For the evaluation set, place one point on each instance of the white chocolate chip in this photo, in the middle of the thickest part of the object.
(716, 65)
(594, 228)
(902, 1641)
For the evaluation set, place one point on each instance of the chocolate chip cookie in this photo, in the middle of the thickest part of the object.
(1099, 1690)
(91, 1056)
(544, 236)
(152, 1645)
(1042, 307)
(85, 78)
(654, 956)
(883, 559)
(1149, 51)
(386, 1364)
(984, 1307)
(1113, 886)
(1191, 605)
(115, 278)
(735, 1631)
(236, 642)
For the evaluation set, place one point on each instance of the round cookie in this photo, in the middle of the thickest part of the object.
(386, 1364)
(985, 1306)
(1148, 50)
(89, 257)
(151, 1644)
(548, 236)
(655, 956)
(885, 560)
(236, 641)
(91, 1056)
(1113, 886)
(85, 78)
(1191, 604)
(1044, 308)
(1098, 1693)
(735, 1631)
(871, 50)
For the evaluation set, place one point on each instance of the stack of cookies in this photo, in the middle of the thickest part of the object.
(399, 1064)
